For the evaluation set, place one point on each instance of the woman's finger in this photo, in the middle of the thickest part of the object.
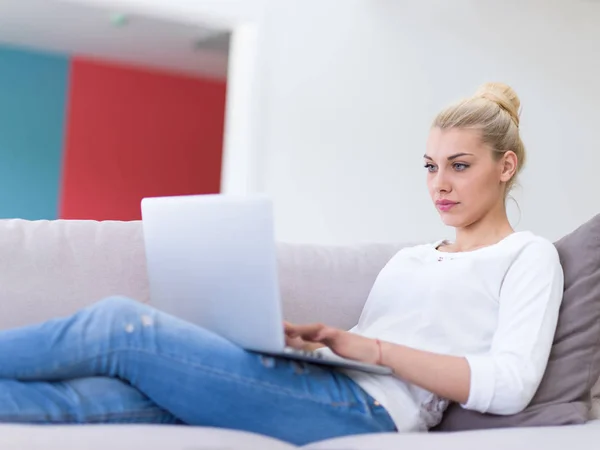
(288, 328)
(308, 329)
(296, 343)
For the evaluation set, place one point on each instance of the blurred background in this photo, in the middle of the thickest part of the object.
(99, 108)
(325, 105)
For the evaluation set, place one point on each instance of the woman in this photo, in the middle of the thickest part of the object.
(468, 321)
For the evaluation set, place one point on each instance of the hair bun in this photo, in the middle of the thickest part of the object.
(504, 96)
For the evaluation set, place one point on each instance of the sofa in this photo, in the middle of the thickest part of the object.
(53, 268)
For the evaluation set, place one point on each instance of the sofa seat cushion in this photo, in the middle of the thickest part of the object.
(131, 437)
(547, 438)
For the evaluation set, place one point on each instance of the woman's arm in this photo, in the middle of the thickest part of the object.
(502, 380)
(447, 376)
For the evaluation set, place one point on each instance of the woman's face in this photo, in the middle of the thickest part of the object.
(464, 179)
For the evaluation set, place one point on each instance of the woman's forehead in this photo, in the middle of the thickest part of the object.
(445, 143)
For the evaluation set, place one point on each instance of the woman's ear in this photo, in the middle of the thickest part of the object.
(509, 163)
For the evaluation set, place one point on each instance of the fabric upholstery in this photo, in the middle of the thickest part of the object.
(52, 268)
(596, 401)
(131, 437)
(161, 437)
(536, 438)
(329, 284)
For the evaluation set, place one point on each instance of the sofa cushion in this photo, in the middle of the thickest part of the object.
(329, 283)
(565, 393)
(549, 438)
(130, 437)
(51, 268)
(596, 401)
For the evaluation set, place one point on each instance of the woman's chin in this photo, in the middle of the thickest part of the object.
(453, 220)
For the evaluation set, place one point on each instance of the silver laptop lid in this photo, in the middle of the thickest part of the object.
(212, 261)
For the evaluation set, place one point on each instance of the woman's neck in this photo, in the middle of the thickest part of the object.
(489, 230)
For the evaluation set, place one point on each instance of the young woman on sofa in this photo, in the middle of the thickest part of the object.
(469, 321)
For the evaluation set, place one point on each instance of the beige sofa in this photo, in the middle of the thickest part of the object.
(52, 268)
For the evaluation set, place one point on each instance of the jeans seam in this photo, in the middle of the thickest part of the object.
(91, 418)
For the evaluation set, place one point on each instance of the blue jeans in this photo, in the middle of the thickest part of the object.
(119, 361)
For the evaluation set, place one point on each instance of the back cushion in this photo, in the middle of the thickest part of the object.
(53, 268)
(596, 401)
(564, 396)
(329, 284)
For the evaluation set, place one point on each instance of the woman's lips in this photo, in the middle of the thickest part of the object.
(445, 205)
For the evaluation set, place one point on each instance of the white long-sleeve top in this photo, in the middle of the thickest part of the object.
(496, 306)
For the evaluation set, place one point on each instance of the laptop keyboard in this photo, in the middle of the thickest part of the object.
(306, 353)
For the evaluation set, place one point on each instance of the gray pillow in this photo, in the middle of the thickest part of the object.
(564, 396)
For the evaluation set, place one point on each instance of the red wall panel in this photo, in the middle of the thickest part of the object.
(133, 133)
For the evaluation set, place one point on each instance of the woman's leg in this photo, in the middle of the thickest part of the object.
(198, 376)
(83, 400)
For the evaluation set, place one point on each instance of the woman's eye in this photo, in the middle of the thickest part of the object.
(460, 167)
(430, 167)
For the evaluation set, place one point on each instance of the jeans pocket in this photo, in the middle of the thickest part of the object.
(375, 409)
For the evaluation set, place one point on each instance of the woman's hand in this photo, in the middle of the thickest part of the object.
(414, 366)
(342, 343)
(292, 339)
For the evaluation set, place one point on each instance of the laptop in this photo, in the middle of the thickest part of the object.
(212, 261)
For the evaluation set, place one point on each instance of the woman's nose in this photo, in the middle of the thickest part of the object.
(441, 183)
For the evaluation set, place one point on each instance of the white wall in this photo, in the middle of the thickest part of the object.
(350, 93)
(332, 116)
(218, 12)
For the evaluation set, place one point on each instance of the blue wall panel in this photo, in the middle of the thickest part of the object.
(33, 98)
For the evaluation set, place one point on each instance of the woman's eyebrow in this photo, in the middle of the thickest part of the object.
(450, 158)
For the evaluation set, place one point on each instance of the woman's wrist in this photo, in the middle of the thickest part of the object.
(378, 353)
(383, 351)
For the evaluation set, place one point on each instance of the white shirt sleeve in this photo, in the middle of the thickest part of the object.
(504, 380)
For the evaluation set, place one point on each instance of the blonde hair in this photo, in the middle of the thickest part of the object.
(494, 109)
